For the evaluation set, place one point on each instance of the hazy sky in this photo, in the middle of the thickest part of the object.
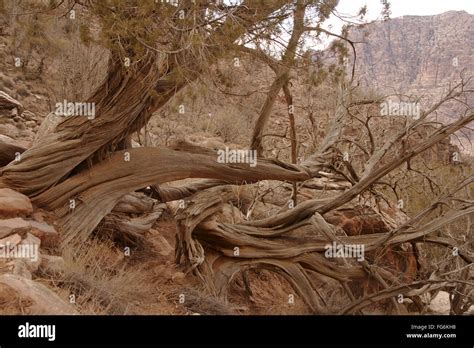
(407, 7)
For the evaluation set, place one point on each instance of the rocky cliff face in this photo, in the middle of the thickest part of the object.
(420, 56)
(415, 53)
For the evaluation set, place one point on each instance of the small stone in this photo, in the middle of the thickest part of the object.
(28, 116)
(38, 216)
(52, 264)
(164, 248)
(178, 277)
(30, 124)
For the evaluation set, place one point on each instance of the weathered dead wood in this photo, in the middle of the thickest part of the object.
(221, 263)
(135, 203)
(462, 297)
(307, 208)
(131, 231)
(8, 103)
(327, 184)
(8, 152)
(120, 112)
(167, 193)
(407, 290)
(98, 190)
(237, 247)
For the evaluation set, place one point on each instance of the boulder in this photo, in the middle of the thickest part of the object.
(38, 298)
(19, 268)
(43, 231)
(14, 225)
(11, 240)
(13, 203)
(440, 304)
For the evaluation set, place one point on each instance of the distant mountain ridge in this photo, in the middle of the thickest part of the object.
(417, 55)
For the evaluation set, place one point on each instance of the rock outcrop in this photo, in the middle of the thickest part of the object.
(16, 122)
(22, 233)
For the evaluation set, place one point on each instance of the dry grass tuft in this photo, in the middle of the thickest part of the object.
(102, 279)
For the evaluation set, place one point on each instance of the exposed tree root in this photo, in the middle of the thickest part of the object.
(218, 251)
